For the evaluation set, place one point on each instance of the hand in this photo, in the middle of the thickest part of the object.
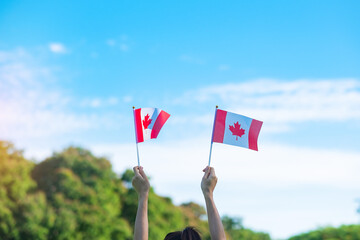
(209, 181)
(140, 182)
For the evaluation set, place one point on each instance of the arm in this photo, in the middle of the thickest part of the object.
(142, 186)
(208, 184)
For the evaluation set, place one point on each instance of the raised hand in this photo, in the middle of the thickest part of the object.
(208, 181)
(140, 181)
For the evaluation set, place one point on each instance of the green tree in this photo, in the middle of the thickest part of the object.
(24, 213)
(76, 195)
(195, 215)
(230, 223)
(84, 192)
(345, 232)
(235, 230)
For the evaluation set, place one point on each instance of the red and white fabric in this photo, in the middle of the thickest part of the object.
(235, 129)
(148, 123)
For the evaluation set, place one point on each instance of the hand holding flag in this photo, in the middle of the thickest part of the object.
(140, 181)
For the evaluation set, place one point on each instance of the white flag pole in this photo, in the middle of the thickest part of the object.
(212, 136)
(137, 149)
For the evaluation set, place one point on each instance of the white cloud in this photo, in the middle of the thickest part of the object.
(57, 47)
(274, 165)
(33, 107)
(282, 103)
(6, 56)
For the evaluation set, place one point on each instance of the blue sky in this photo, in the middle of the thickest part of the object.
(71, 71)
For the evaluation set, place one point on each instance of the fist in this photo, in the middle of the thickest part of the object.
(140, 181)
(208, 181)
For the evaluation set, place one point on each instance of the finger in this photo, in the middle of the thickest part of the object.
(136, 171)
(212, 172)
(207, 172)
(142, 173)
(204, 170)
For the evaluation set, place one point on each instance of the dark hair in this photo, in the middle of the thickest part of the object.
(189, 233)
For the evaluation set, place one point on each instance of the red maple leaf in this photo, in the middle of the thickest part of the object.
(236, 130)
(146, 121)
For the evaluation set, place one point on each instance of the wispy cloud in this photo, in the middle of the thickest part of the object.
(32, 106)
(284, 102)
(281, 165)
(58, 48)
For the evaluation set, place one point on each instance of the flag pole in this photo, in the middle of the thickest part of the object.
(137, 149)
(212, 136)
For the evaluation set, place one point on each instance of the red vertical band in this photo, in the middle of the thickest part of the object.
(159, 122)
(138, 127)
(254, 133)
(219, 126)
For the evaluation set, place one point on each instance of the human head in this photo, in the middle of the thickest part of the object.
(189, 233)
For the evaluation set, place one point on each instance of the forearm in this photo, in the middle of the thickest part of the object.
(141, 221)
(215, 225)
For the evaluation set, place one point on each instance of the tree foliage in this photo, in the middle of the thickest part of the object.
(76, 195)
(345, 232)
(84, 192)
(235, 230)
(24, 213)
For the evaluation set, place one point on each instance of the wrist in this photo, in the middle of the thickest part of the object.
(143, 196)
(208, 195)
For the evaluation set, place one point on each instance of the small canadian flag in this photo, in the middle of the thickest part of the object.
(236, 129)
(148, 123)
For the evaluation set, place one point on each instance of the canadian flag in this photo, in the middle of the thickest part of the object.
(235, 129)
(148, 123)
